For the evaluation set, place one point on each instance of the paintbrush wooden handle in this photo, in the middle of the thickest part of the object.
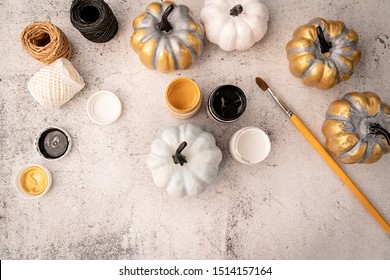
(339, 171)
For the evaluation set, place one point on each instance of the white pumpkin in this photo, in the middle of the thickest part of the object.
(184, 160)
(234, 24)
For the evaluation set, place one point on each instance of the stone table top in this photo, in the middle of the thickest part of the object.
(103, 203)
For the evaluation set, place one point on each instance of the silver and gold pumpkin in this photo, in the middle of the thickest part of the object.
(166, 37)
(323, 53)
(357, 128)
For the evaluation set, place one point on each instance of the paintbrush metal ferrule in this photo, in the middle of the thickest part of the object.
(281, 104)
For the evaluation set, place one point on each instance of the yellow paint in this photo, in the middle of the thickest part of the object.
(136, 40)
(298, 43)
(340, 108)
(375, 155)
(34, 180)
(356, 155)
(329, 77)
(356, 56)
(195, 27)
(183, 96)
(338, 141)
(168, 3)
(335, 28)
(306, 31)
(195, 43)
(315, 75)
(386, 108)
(348, 63)
(165, 62)
(138, 20)
(154, 7)
(186, 59)
(369, 101)
(147, 53)
(300, 62)
(352, 35)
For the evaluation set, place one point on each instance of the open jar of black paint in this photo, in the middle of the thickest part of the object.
(226, 103)
(53, 143)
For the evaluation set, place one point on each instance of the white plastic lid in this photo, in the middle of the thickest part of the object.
(104, 107)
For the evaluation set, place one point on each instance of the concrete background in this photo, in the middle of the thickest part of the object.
(103, 203)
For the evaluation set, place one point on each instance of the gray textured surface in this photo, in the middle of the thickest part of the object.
(103, 204)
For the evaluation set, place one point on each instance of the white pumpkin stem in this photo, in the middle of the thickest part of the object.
(178, 158)
(377, 129)
(324, 45)
(236, 10)
(164, 24)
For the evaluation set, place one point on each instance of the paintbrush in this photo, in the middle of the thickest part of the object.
(325, 155)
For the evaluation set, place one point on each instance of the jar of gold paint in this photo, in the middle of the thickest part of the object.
(183, 98)
(33, 181)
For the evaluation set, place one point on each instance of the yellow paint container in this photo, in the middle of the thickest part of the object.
(183, 98)
(33, 181)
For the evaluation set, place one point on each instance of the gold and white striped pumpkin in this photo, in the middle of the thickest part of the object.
(166, 37)
(323, 53)
(357, 128)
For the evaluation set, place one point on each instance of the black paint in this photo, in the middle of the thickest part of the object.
(236, 10)
(164, 24)
(324, 45)
(53, 143)
(178, 158)
(376, 129)
(227, 103)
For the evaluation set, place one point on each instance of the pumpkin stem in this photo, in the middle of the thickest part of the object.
(236, 10)
(178, 158)
(324, 45)
(377, 129)
(164, 24)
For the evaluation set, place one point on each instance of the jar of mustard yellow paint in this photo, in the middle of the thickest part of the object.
(33, 181)
(183, 98)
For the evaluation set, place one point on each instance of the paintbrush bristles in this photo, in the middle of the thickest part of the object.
(263, 85)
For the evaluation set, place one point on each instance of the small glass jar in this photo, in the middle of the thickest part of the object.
(226, 104)
(249, 145)
(183, 98)
(53, 143)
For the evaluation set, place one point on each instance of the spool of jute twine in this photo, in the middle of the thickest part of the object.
(94, 19)
(45, 42)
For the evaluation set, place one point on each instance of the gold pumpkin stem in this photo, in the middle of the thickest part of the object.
(164, 24)
(324, 45)
(236, 10)
(377, 129)
(178, 158)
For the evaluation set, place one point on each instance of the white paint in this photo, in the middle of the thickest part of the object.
(249, 145)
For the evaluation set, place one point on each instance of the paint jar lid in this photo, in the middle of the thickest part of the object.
(35, 191)
(104, 107)
(53, 143)
(227, 103)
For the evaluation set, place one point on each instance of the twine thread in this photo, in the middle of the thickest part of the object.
(94, 19)
(45, 42)
(55, 84)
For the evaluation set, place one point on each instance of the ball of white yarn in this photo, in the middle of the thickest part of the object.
(55, 84)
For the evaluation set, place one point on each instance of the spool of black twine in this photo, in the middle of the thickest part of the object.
(94, 19)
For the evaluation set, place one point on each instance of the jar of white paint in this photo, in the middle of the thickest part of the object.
(249, 145)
